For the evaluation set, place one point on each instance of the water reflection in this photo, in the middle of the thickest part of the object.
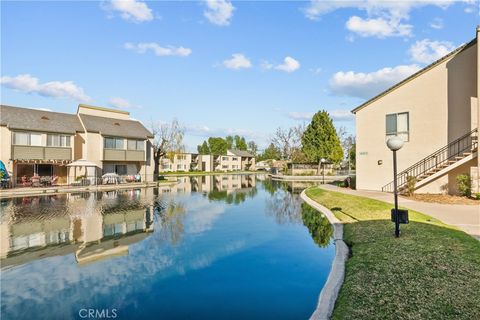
(181, 250)
(318, 225)
(92, 226)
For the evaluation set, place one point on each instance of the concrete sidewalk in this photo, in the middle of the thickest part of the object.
(464, 217)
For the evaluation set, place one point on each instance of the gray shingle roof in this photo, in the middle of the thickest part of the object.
(39, 120)
(115, 127)
(241, 153)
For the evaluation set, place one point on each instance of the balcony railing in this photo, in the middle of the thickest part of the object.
(41, 153)
(123, 155)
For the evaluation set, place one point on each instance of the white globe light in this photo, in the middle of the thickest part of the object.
(322, 160)
(395, 143)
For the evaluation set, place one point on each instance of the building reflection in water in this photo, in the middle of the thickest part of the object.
(99, 225)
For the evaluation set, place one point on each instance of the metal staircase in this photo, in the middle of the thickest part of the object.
(438, 163)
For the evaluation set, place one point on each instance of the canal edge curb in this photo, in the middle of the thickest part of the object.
(329, 293)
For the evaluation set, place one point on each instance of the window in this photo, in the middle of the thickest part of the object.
(179, 166)
(234, 158)
(55, 140)
(114, 143)
(21, 138)
(35, 139)
(225, 158)
(135, 145)
(397, 124)
(224, 167)
(27, 139)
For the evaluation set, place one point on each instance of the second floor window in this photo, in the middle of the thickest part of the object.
(27, 139)
(224, 158)
(397, 124)
(57, 140)
(114, 143)
(135, 144)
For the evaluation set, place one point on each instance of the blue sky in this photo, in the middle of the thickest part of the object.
(221, 67)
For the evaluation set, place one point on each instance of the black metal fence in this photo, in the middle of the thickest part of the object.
(56, 181)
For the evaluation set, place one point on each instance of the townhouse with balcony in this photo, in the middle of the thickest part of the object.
(436, 112)
(115, 142)
(40, 146)
(37, 143)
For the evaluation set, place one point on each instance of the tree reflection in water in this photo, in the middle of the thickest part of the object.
(283, 205)
(171, 215)
(235, 197)
(318, 225)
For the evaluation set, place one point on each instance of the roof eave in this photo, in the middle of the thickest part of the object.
(415, 75)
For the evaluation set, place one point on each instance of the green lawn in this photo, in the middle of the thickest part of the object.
(431, 272)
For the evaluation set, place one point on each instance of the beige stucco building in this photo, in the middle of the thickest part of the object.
(234, 160)
(436, 112)
(38, 143)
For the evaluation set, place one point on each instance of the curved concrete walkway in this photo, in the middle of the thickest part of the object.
(464, 217)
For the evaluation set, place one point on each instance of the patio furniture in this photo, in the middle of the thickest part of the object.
(46, 181)
(36, 181)
(110, 178)
(26, 182)
(54, 181)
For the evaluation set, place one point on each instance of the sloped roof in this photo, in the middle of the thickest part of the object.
(115, 127)
(241, 153)
(39, 120)
(416, 74)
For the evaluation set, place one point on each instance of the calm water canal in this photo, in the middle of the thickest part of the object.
(218, 247)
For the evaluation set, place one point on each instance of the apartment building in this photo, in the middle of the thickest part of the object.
(38, 143)
(234, 160)
(436, 113)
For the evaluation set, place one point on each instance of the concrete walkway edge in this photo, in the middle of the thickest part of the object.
(329, 293)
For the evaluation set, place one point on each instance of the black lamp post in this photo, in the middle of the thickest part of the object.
(322, 161)
(395, 144)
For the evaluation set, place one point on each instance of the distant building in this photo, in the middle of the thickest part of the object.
(234, 160)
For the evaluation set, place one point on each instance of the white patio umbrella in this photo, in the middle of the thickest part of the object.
(90, 169)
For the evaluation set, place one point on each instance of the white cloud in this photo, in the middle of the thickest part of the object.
(306, 116)
(384, 18)
(131, 10)
(157, 49)
(336, 115)
(341, 115)
(121, 103)
(237, 62)
(437, 23)
(289, 65)
(367, 85)
(219, 12)
(56, 89)
(427, 51)
(378, 27)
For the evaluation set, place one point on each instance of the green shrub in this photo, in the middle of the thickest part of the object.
(477, 196)
(464, 184)
(352, 182)
(410, 186)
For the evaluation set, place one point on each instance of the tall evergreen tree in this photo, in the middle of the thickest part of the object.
(217, 145)
(240, 143)
(203, 148)
(229, 140)
(320, 140)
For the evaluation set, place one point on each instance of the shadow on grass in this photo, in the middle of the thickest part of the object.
(430, 272)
